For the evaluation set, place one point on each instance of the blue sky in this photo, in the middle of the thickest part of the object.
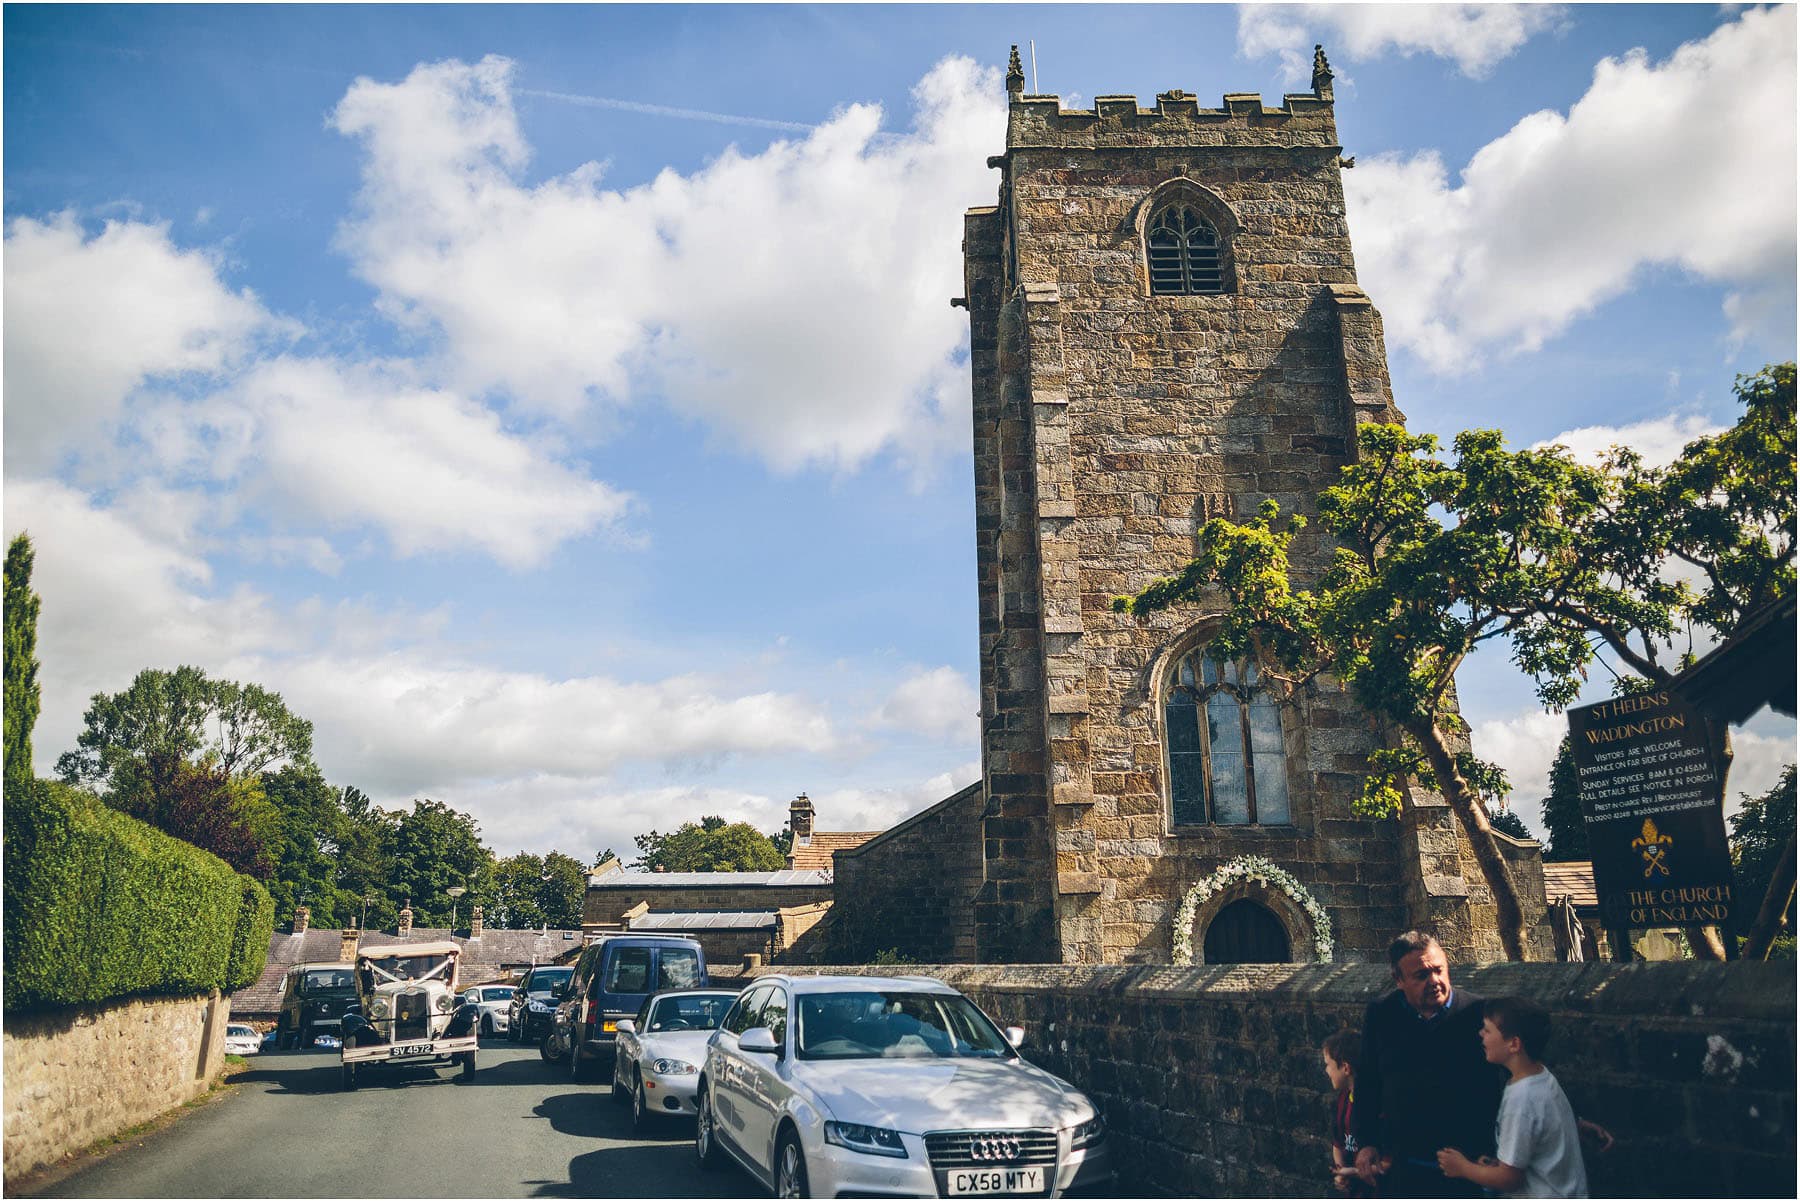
(561, 406)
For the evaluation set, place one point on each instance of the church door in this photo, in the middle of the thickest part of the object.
(1246, 933)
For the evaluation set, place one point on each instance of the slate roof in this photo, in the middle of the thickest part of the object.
(1575, 878)
(690, 880)
(705, 920)
(816, 855)
(489, 958)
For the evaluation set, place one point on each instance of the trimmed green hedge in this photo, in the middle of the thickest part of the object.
(100, 906)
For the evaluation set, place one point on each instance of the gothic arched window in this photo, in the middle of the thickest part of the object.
(1185, 253)
(1226, 765)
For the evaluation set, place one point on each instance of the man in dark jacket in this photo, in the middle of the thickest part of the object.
(1423, 1082)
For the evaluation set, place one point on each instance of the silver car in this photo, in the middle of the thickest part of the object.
(888, 1087)
(656, 1060)
(493, 1002)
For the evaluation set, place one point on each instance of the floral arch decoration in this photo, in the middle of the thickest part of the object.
(1258, 878)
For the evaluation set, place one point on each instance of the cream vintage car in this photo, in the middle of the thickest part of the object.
(407, 1010)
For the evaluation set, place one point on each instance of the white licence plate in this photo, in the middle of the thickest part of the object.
(996, 1181)
(409, 1049)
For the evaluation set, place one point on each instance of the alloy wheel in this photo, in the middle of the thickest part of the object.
(790, 1170)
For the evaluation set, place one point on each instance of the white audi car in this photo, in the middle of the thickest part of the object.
(888, 1086)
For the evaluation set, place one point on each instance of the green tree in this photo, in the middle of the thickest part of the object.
(1760, 833)
(533, 891)
(362, 858)
(432, 849)
(1434, 558)
(22, 698)
(1508, 823)
(711, 845)
(135, 738)
(309, 842)
(1562, 809)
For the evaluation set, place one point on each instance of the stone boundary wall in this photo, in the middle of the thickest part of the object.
(1210, 1079)
(79, 1075)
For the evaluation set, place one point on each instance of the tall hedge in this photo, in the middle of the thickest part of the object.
(101, 906)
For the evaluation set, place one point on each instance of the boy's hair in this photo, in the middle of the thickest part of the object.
(1345, 1047)
(1408, 943)
(1521, 1019)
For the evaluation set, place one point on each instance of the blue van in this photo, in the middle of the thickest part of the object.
(610, 982)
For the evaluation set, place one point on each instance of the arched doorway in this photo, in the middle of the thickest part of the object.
(1245, 932)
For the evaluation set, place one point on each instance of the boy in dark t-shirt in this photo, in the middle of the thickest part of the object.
(1340, 1054)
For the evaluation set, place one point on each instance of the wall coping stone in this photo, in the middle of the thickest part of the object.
(1755, 991)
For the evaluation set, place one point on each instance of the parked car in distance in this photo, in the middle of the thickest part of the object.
(898, 1086)
(656, 1064)
(241, 1039)
(492, 1002)
(313, 999)
(407, 1010)
(533, 1002)
(612, 978)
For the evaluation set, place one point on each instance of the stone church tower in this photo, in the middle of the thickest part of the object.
(1166, 327)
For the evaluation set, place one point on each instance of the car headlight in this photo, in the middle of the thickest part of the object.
(443, 1003)
(1087, 1134)
(540, 1007)
(874, 1141)
(378, 1008)
(673, 1068)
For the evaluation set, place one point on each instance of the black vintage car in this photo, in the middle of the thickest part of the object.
(313, 1000)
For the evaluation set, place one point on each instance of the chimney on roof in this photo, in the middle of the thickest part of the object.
(475, 922)
(800, 820)
(406, 918)
(347, 946)
(302, 919)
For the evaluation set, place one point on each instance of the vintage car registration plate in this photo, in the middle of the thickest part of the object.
(409, 1049)
(996, 1181)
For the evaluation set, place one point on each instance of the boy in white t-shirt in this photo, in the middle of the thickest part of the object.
(1539, 1145)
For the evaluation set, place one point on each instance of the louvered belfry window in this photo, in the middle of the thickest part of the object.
(1184, 254)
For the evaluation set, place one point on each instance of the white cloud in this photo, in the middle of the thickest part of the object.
(793, 300)
(878, 809)
(939, 701)
(1473, 36)
(350, 444)
(88, 319)
(410, 720)
(1687, 163)
(1658, 440)
(584, 816)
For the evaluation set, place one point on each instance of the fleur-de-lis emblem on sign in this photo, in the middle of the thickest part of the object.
(1654, 843)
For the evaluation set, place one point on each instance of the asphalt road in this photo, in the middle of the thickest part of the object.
(521, 1129)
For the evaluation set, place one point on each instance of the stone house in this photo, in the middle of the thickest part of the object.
(1165, 327)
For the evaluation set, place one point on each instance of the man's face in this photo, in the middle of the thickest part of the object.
(1424, 977)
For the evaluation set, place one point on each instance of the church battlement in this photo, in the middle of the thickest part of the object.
(1303, 119)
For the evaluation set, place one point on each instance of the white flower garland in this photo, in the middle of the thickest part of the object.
(1249, 868)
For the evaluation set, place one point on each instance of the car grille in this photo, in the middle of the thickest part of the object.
(412, 1015)
(985, 1149)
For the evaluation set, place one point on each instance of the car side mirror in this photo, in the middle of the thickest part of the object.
(626, 1026)
(758, 1039)
(1015, 1036)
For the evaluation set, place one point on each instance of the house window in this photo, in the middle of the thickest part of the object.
(1226, 766)
(1185, 253)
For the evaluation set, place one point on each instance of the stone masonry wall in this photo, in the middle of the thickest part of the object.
(604, 903)
(912, 888)
(1211, 1085)
(77, 1076)
(1110, 424)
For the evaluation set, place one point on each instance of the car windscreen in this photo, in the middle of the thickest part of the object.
(496, 995)
(544, 982)
(695, 1012)
(327, 978)
(241, 1031)
(410, 968)
(867, 1024)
